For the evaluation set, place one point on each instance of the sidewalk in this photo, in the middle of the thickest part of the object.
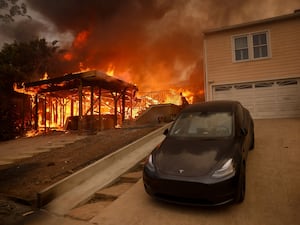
(10, 151)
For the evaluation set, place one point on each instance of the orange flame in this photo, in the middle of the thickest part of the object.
(80, 39)
(83, 68)
(45, 77)
(110, 70)
(68, 56)
(169, 96)
(174, 96)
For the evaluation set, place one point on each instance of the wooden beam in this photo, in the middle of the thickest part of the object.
(36, 116)
(92, 109)
(80, 108)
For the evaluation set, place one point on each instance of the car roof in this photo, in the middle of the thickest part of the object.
(213, 106)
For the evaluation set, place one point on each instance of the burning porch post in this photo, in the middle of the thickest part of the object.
(55, 111)
(123, 105)
(131, 103)
(23, 114)
(92, 109)
(44, 115)
(36, 111)
(72, 107)
(80, 107)
(116, 109)
(116, 98)
(50, 111)
(100, 116)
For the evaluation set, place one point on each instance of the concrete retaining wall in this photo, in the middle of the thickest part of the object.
(98, 174)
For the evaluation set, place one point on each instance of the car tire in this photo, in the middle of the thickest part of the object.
(241, 190)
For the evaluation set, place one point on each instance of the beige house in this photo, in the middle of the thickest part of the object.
(256, 63)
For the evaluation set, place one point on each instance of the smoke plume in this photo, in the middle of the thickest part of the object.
(149, 42)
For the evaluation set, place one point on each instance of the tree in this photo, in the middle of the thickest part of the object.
(25, 62)
(9, 9)
(20, 62)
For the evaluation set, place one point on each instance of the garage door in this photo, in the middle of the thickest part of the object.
(264, 99)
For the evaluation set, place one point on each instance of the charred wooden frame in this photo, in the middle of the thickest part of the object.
(99, 84)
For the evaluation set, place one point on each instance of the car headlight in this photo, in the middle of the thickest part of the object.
(226, 170)
(149, 163)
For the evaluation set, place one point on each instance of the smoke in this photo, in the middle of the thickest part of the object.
(24, 30)
(149, 42)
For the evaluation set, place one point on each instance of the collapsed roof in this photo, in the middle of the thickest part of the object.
(72, 81)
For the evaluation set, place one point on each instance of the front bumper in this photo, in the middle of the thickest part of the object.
(190, 192)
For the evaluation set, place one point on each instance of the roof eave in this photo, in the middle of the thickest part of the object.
(296, 14)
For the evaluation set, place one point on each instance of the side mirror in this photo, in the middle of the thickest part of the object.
(166, 132)
(244, 131)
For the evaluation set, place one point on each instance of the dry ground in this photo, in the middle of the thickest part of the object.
(20, 181)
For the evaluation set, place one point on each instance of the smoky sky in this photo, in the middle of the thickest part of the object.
(149, 42)
(125, 34)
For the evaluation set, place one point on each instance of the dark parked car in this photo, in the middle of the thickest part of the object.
(202, 160)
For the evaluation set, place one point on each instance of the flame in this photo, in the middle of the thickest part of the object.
(68, 56)
(110, 70)
(80, 39)
(54, 114)
(83, 68)
(46, 76)
(189, 95)
(21, 89)
(78, 42)
(169, 96)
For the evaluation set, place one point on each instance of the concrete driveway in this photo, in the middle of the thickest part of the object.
(273, 188)
(272, 197)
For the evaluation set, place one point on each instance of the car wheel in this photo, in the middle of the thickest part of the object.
(241, 190)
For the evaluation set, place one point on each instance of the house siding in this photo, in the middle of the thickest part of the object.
(284, 60)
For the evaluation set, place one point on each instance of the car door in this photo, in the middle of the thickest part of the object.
(244, 129)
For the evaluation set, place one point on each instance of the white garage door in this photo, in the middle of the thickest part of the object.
(264, 99)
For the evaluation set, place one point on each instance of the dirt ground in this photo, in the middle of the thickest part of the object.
(20, 182)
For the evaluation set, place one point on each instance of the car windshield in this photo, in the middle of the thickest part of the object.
(203, 124)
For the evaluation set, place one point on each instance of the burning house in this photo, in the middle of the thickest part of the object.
(94, 100)
(89, 100)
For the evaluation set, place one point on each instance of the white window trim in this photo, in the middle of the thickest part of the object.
(233, 47)
(250, 46)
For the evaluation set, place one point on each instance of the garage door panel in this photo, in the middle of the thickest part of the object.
(261, 107)
(225, 96)
(292, 105)
(284, 100)
(267, 99)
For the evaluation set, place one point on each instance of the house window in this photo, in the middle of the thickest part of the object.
(241, 48)
(260, 46)
(251, 46)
